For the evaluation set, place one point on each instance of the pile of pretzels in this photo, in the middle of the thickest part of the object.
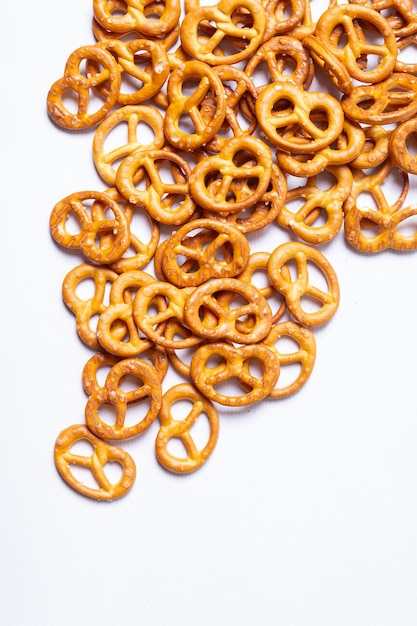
(224, 135)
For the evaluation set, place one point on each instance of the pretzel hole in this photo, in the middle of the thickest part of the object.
(369, 228)
(176, 448)
(107, 413)
(82, 447)
(411, 145)
(70, 100)
(130, 383)
(288, 373)
(114, 471)
(73, 224)
(84, 476)
(316, 276)
(408, 227)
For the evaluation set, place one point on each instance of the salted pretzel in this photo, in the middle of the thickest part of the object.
(246, 180)
(136, 19)
(184, 106)
(207, 258)
(399, 15)
(300, 105)
(245, 301)
(141, 178)
(284, 58)
(181, 429)
(102, 453)
(79, 86)
(151, 322)
(352, 51)
(210, 49)
(280, 20)
(142, 63)
(398, 146)
(231, 366)
(390, 101)
(303, 354)
(88, 239)
(297, 289)
(385, 220)
(119, 312)
(112, 394)
(135, 117)
(320, 217)
(86, 309)
(139, 252)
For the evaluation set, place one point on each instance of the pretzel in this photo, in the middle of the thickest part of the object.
(102, 454)
(279, 21)
(86, 309)
(300, 106)
(112, 394)
(296, 289)
(389, 101)
(232, 365)
(226, 324)
(76, 205)
(220, 15)
(398, 145)
(246, 181)
(166, 202)
(120, 312)
(208, 261)
(320, 217)
(285, 59)
(181, 429)
(399, 15)
(304, 355)
(75, 83)
(375, 149)
(386, 217)
(149, 79)
(133, 117)
(186, 106)
(135, 17)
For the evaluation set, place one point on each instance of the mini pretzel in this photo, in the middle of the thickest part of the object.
(389, 101)
(149, 80)
(232, 178)
(398, 145)
(308, 221)
(166, 202)
(208, 260)
(280, 21)
(134, 116)
(304, 355)
(135, 18)
(300, 106)
(226, 317)
(120, 312)
(221, 16)
(86, 309)
(186, 106)
(357, 46)
(102, 251)
(232, 365)
(102, 453)
(181, 429)
(112, 394)
(75, 83)
(296, 289)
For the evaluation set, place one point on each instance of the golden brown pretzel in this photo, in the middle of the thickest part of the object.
(135, 117)
(86, 309)
(209, 50)
(279, 20)
(102, 454)
(244, 301)
(100, 250)
(232, 366)
(375, 149)
(75, 83)
(296, 288)
(298, 113)
(245, 181)
(182, 105)
(142, 178)
(399, 148)
(112, 394)
(181, 429)
(208, 260)
(135, 17)
(304, 355)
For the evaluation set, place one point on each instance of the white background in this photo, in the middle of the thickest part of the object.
(305, 514)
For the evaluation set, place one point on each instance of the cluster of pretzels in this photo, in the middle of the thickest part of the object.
(223, 92)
